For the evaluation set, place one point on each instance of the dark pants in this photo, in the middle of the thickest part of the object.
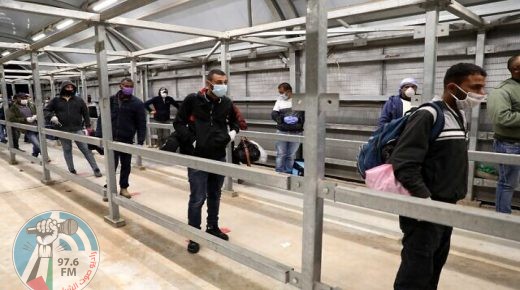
(204, 185)
(126, 167)
(425, 250)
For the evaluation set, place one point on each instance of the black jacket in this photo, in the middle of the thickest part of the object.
(439, 169)
(72, 114)
(128, 118)
(162, 107)
(206, 122)
(278, 117)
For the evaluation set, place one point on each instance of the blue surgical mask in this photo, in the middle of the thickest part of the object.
(219, 90)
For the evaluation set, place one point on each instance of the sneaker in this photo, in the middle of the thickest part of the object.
(124, 192)
(97, 173)
(215, 231)
(35, 154)
(193, 247)
(73, 171)
(18, 148)
(3, 141)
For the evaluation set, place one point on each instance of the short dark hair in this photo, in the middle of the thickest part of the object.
(510, 61)
(285, 86)
(458, 72)
(127, 80)
(212, 72)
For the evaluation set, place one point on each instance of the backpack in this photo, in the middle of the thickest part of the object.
(246, 152)
(382, 142)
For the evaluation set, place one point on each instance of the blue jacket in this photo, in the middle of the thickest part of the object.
(128, 118)
(393, 109)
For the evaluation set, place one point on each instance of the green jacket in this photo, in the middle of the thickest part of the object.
(14, 115)
(503, 107)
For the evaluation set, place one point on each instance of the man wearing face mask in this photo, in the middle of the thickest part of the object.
(399, 104)
(159, 108)
(69, 113)
(206, 123)
(128, 119)
(503, 108)
(24, 112)
(436, 170)
(287, 122)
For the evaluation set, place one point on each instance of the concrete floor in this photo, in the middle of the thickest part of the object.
(361, 247)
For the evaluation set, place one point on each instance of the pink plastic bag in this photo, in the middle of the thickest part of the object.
(382, 178)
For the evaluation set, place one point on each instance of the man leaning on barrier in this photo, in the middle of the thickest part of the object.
(436, 170)
(202, 125)
(68, 113)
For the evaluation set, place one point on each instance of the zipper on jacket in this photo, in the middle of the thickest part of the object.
(211, 115)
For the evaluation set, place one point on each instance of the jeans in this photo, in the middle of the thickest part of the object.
(126, 167)
(425, 250)
(32, 137)
(508, 176)
(204, 185)
(285, 154)
(162, 134)
(67, 152)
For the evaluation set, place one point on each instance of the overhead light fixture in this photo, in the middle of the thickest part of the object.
(64, 23)
(103, 4)
(5, 53)
(38, 36)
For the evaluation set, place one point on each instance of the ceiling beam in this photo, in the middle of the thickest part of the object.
(48, 10)
(464, 13)
(114, 11)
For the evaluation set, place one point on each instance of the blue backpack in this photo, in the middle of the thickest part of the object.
(382, 142)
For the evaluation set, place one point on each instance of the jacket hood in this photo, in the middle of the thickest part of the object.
(66, 83)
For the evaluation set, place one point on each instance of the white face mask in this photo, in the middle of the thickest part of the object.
(24, 102)
(409, 92)
(471, 100)
(284, 97)
(164, 95)
(219, 90)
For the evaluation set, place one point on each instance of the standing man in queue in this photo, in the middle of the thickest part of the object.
(503, 108)
(68, 113)
(128, 118)
(397, 105)
(206, 123)
(436, 170)
(159, 108)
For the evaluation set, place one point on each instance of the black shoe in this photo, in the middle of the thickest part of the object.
(18, 148)
(105, 198)
(97, 173)
(215, 231)
(193, 247)
(73, 171)
(35, 154)
(3, 141)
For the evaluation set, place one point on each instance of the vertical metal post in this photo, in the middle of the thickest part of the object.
(104, 97)
(146, 95)
(13, 88)
(314, 146)
(38, 99)
(30, 89)
(203, 74)
(83, 78)
(53, 88)
(294, 69)
(133, 76)
(475, 112)
(224, 63)
(8, 128)
(430, 52)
